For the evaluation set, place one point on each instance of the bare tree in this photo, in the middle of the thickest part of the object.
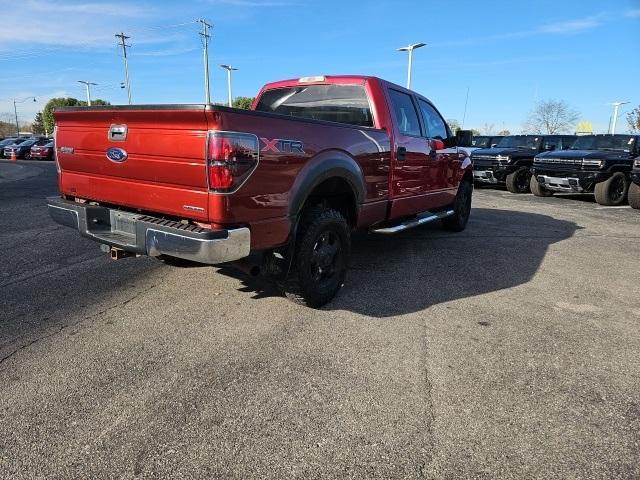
(633, 120)
(488, 128)
(551, 116)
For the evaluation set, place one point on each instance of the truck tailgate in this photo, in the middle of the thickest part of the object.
(159, 166)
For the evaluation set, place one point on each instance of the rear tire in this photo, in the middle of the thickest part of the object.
(319, 264)
(461, 208)
(537, 189)
(613, 191)
(519, 181)
(634, 196)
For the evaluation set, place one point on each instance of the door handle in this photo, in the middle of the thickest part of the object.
(401, 155)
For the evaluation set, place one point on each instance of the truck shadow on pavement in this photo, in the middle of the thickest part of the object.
(411, 271)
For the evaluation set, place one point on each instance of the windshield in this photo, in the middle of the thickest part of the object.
(336, 103)
(7, 141)
(531, 142)
(617, 143)
(49, 145)
(28, 143)
(20, 141)
(481, 141)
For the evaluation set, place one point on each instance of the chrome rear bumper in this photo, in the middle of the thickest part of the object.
(145, 235)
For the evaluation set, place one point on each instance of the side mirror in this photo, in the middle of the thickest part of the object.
(464, 138)
(437, 144)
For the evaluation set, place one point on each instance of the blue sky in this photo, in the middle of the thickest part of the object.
(508, 53)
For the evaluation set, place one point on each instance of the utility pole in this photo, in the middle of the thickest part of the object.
(205, 43)
(88, 84)
(410, 49)
(15, 111)
(614, 117)
(124, 46)
(229, 69)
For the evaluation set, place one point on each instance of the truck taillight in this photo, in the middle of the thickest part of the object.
(231, 159)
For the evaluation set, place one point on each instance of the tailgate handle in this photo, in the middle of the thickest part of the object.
(117, 133)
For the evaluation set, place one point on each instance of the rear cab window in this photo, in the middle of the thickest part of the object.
(346, 104)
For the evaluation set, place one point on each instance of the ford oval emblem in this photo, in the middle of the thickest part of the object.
(116, 154)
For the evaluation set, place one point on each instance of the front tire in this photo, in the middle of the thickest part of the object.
(613, 191)
(537, 189)
(518, 181)
(27, 156)
(461, 208)
(319, 265)
(634, 196)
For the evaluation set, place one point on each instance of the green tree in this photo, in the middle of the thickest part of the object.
(38, 125)
(47, 112)
(633, 120)
(243, 102)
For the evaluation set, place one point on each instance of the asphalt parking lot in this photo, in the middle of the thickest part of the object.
(511, 350)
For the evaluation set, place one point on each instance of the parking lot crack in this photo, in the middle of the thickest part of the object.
(82, 320)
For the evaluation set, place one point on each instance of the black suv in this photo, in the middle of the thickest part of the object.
(595, 163)
(511, 160)
(485, 141)
(634, 188)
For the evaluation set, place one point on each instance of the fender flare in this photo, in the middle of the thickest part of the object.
(325, 165)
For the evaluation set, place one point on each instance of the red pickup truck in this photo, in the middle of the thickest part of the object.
(279, 187)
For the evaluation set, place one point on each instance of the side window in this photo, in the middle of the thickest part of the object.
(567, 142)
(551, 143)
(436, 127)
(405, 113)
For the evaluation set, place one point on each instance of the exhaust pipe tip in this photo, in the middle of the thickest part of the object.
(119, 254)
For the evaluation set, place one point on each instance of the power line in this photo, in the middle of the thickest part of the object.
(124, 46)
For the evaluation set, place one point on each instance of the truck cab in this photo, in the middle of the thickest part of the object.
(509, 162)
(599, 164)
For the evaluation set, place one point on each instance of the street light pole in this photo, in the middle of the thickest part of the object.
(410, 49)
(229, 69)
(87, 84)
(614, 119)
(15, 111)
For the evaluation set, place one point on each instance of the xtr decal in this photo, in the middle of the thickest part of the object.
(279, 145)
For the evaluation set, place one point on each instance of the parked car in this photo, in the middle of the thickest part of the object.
(5, 142)
(43, 152)
(599, 164)
(634, 188)
(486, 141)
(509, 163)
(22, 147)
(278, 188)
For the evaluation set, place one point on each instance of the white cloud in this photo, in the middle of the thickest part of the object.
(253, 3)
(71, 24)
(635, 13)
(106, 8)
(570, 26)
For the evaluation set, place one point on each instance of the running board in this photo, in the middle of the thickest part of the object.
(421, 219)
